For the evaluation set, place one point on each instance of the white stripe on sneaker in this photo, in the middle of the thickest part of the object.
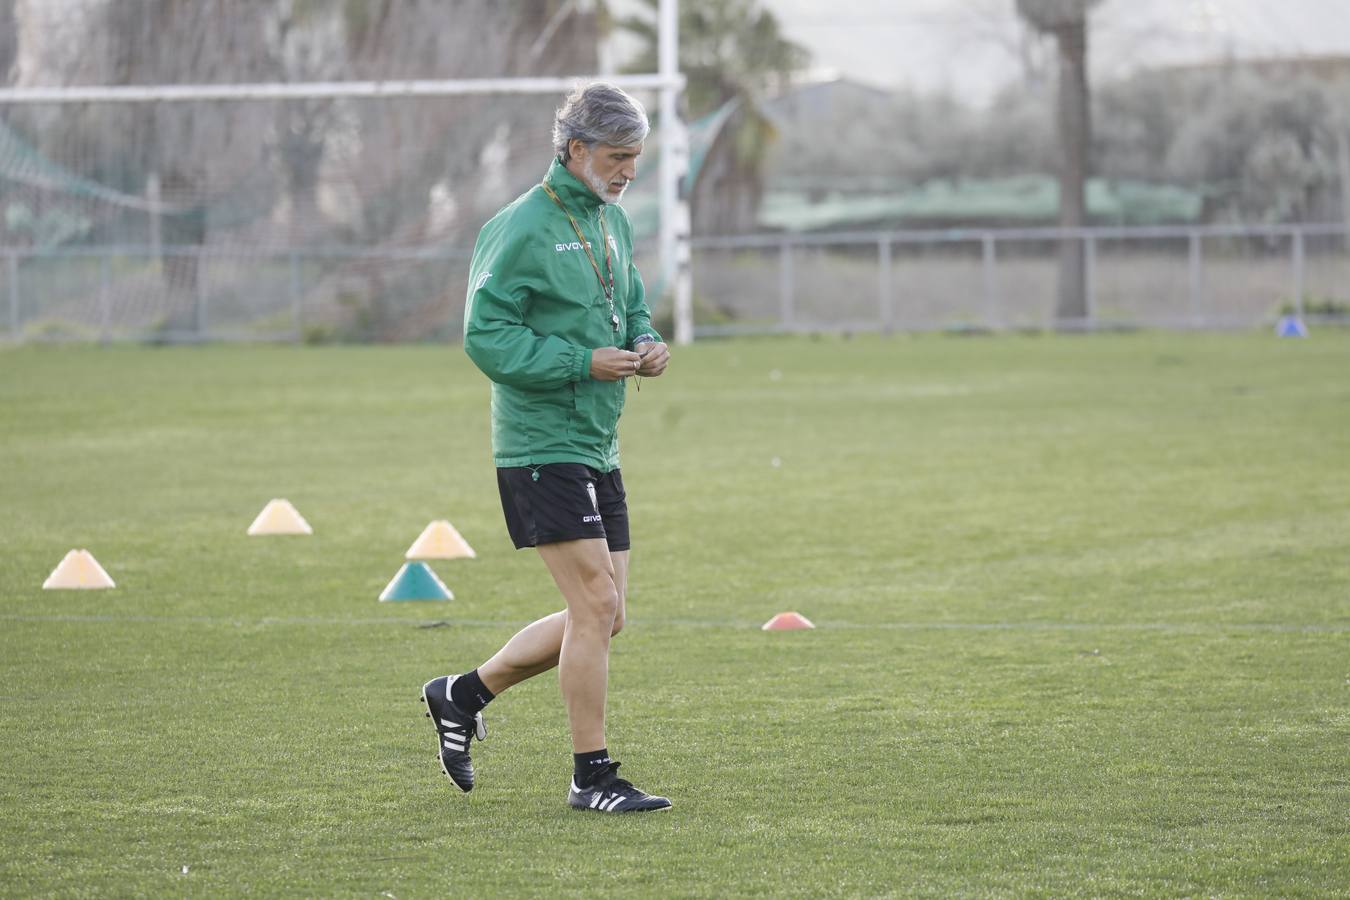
(451, 744)
(611, 803)
(454, 726)
(596, 799)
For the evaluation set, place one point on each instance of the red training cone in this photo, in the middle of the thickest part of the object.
(787, 621)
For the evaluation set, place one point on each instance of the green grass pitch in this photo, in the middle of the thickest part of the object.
(1082, 607)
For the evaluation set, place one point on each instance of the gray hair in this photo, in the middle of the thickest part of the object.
(599, 113)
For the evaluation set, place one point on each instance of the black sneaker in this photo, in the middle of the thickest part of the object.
(610, 793)
(454, 731)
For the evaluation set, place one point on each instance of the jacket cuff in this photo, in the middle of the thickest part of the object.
(647, 337)
(583, 367)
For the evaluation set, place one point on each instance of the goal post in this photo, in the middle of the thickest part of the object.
(327, 90)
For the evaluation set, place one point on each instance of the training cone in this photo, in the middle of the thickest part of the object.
(440, 540)
(416, 581)
(78, 569)
(787, 621)
(1291, 326)
(280, 517)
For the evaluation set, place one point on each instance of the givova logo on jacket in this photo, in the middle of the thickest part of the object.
(575, 245)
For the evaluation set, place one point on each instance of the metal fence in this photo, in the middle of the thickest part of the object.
(1168, 277)
(182, 294)
(1203, 277)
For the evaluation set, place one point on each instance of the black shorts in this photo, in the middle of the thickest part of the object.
(563, 502)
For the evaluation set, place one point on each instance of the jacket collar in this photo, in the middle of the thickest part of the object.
(571, 190)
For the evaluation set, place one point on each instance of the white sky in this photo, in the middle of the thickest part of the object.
(968, 46)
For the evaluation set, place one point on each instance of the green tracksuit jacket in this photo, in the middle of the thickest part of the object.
(534, 313)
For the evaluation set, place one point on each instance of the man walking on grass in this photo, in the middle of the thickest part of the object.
(557, 319)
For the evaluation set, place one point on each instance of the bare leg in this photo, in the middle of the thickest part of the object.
(535, 648)
(531, 650)
(619, 559)
(584, 573)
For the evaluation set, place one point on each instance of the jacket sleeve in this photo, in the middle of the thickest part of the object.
(499, 341)
(638, 315)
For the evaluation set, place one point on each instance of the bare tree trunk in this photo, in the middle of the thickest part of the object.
(1075, 139)
(186, 232)
(9, 39)
(1343, 169)
(302, 128)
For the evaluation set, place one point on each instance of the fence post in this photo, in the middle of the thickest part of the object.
(104, 297)
(201, 293)
(1299, 266)
(152, 196)
(884, 303)
(296, 310)
(1090, 277)
(1196, 282)
(988, 263)
(12, 276)
(785, 285)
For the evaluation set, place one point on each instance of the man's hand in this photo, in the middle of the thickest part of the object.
(613, 364)
(655, 358)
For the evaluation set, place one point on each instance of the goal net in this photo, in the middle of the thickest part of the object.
(291, 193)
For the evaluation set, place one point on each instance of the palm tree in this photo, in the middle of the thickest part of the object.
(1067, 21)
(728, 48)
(732, 54)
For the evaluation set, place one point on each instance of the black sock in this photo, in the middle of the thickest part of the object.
(587, 766)
(469, 693)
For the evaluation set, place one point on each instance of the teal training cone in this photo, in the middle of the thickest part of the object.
(416, 581)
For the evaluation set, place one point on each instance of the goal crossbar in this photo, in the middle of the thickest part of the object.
(316, 90)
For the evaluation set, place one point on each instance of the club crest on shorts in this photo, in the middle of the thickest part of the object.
(595, 504)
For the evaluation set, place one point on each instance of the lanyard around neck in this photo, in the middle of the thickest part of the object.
(608, 288)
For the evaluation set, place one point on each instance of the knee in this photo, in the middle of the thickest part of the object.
(618, 621)
(602, 601)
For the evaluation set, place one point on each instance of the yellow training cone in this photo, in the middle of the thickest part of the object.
(440, 540)
(78, 569)
(280, 517)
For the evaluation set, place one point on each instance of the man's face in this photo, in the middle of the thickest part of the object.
(606, 169)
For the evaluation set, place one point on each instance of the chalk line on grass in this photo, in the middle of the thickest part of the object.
(238, 622)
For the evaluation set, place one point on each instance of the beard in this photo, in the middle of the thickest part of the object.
(601, 187)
